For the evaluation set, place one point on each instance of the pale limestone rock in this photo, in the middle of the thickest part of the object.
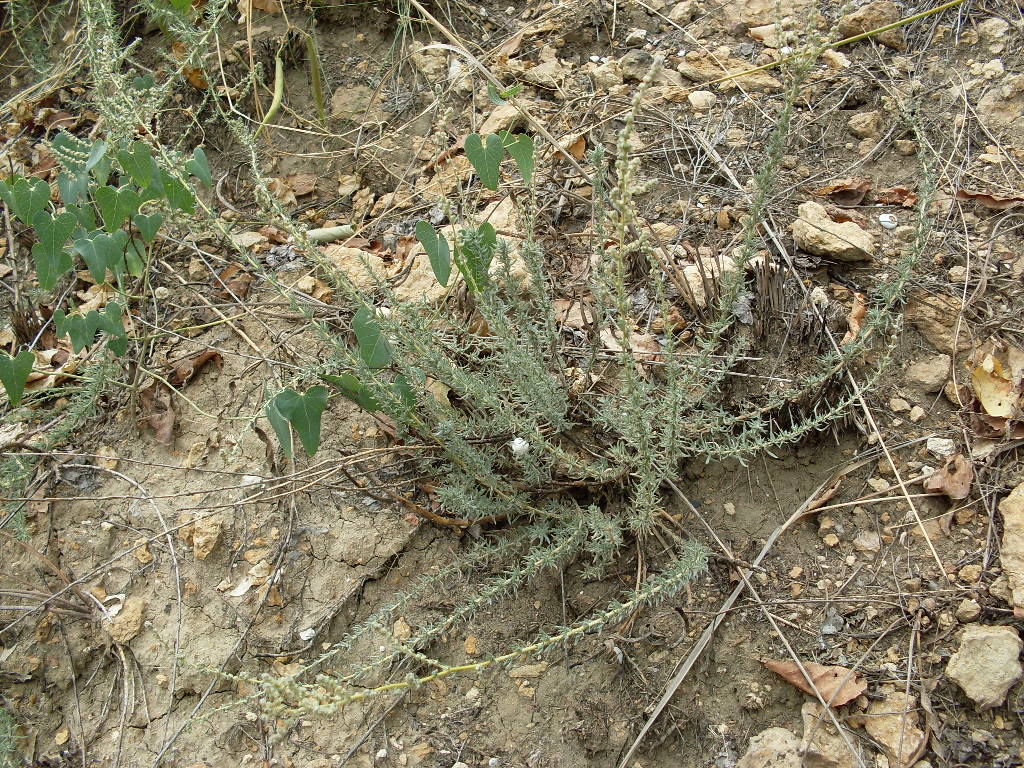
(702, 100)
(865, 125)
(822, 745)
(710, 269)
(929, 374)
(128, 622)
(1011, 553)
(705, 67)
(893, 723)
(607, 75)
(936, 317)
(969, 610)
(773, 748)
(872, 16)
(432, 64)
(503, 117)
(986, 665)
(683, 12)
(1001, 107)
(205, 532)
(816, 233)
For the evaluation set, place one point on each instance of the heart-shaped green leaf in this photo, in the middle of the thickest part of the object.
(116, 205)
(27, 197)
(148, 225)
(521, 148)
(182, 5)
(303, 413)
(373, 347)
(486, 160)
(110, 321)
(351, 387)
(135, 257)
(73, 187)
(80, 329)
(436, 246)
(143, 82)
(280, 425)
(138, 163)
(14, 373)
(53, 232)
(177, 194)
(199, 167)
(84, 213)
(102, 251)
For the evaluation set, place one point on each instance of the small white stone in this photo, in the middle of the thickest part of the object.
(595, 59)
(519, 446)
(888, 220)
(940, 446)
(786, 50)
(381, 754)
(307, 634)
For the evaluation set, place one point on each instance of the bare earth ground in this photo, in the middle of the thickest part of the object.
(864, 580)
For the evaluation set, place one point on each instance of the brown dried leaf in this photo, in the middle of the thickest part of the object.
(236, 282)
(953, 479)
(994, 387)
(986, 200)
(895, 196)
(315, 287)
(282, 190)
(156, 407)
(846, 192)
(578, 148)
(302, 183)
(184, 372)
(837, 685)
(855, 318)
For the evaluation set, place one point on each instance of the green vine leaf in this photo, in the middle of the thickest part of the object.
(280, 425)
(14, 373)
(53, 232)
(438, 251)
(138, 163)
(73, 186)
(25, 197)
(177, 194)
(486, 160)
(199, 167)
(101, 251)
(116, 205)
(521, 148)
(148, 225)
(353, 389)
(373, 346)
(303, 412)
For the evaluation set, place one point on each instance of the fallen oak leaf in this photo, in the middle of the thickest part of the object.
(994, 388)
(156, 407)
(845, 192)
(236, 282)
(302, 183)
(837, 685)
(855, 318)
(183, 373)
(990, 201)
(953, 479)
(895, 196)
